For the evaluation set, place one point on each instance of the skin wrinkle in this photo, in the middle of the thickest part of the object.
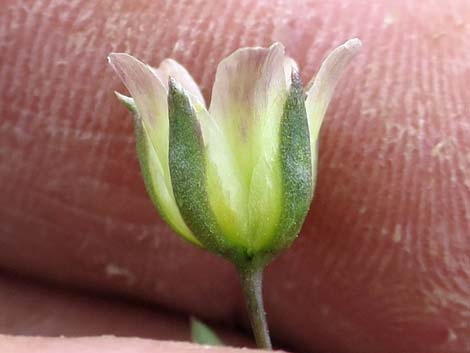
(403, 95)
(442, 164)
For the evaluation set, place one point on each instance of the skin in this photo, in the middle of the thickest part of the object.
(102, 345)
(37, 309)
(382, 263)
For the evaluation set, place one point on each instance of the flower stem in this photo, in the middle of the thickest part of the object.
(252, 283)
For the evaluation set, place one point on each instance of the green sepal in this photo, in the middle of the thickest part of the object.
(187, 161)
(296, 171)
(128, 102)
(144, 148)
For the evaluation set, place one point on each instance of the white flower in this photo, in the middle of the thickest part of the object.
(236, 178)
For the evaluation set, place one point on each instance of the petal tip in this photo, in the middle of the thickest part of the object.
(169, 61)
(276, 45)
(353, 45)
(111, 59)
(114, 57)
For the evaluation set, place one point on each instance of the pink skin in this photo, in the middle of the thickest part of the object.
(36, 309)
(102, 345)
(382, 263)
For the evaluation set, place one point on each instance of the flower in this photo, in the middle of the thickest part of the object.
(236, 178)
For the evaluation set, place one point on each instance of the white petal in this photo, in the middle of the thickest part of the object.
(170, 67)
(150, 98)
(145, 88)
(247, 104)
(247, 96)
(323, 85)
